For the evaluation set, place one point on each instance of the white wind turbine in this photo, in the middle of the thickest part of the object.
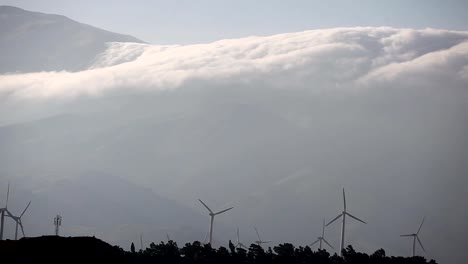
(18, 221)
(259, 242)
(343, 223)
(206, 237)
(239, 244)
(212, 215)
(416, 237)
(2, 213)
(321, 239)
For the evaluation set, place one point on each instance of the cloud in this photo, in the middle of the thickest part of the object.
(341, 57)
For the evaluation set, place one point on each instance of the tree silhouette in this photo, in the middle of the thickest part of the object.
(80, 250)
(132, 248)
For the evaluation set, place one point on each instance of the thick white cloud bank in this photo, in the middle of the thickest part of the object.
(342, 57)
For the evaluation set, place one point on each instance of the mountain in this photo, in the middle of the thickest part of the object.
(32, 41)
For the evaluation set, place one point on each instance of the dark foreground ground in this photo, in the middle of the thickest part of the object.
(53, 249)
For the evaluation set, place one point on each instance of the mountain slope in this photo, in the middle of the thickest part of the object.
(32, 41)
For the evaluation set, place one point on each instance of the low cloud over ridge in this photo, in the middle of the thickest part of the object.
(341, 57)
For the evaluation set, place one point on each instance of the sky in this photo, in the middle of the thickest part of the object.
(189, 22)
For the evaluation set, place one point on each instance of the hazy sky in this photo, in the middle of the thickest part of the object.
(186, 21)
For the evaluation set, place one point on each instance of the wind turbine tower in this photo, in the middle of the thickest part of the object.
(212, 215)
(343, 222)
(416, 237)
(141, 242)
(321, 239)
(2, 213)
(57, 223)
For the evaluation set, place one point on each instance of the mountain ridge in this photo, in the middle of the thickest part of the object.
(33, 41)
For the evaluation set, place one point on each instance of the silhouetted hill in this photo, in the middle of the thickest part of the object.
(32, 41)
(53, 249)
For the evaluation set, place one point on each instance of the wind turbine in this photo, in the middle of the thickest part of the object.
(2, 213)
(239, 244)
(321, 239)
(206, 237)
(141, 241)
(212, 215)
(343, 223)
(416, 237)
(259, 242)
(18, 221)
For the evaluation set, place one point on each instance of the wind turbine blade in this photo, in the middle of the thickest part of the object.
(22, 229)
(8, 194)
(419, 229)
(24, 211)
(9, 214)
(420, 244)
(406, 235)
(168, 238)
(316, 241)
(344, 200)
(323, 228)
(206, 206)
(356, 218)
(265, 242)
(258, 235)
(238, 236)
(242, 245)
(220, 212)
(328, 243)
(334, 219)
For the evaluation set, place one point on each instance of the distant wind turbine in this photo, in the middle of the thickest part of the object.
(141, 242)
(206, 237)
(259, 242)
(212, 215)
(18, 221)
(239, 244)
(322, 238)
(343, 223)
(2, 213)
(416, 237)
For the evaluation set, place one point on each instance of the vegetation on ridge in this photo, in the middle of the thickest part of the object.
(53, 249)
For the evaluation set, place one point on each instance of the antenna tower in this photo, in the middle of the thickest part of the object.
(57, 223)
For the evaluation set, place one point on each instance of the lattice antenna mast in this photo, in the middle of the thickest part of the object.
(57, 223)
